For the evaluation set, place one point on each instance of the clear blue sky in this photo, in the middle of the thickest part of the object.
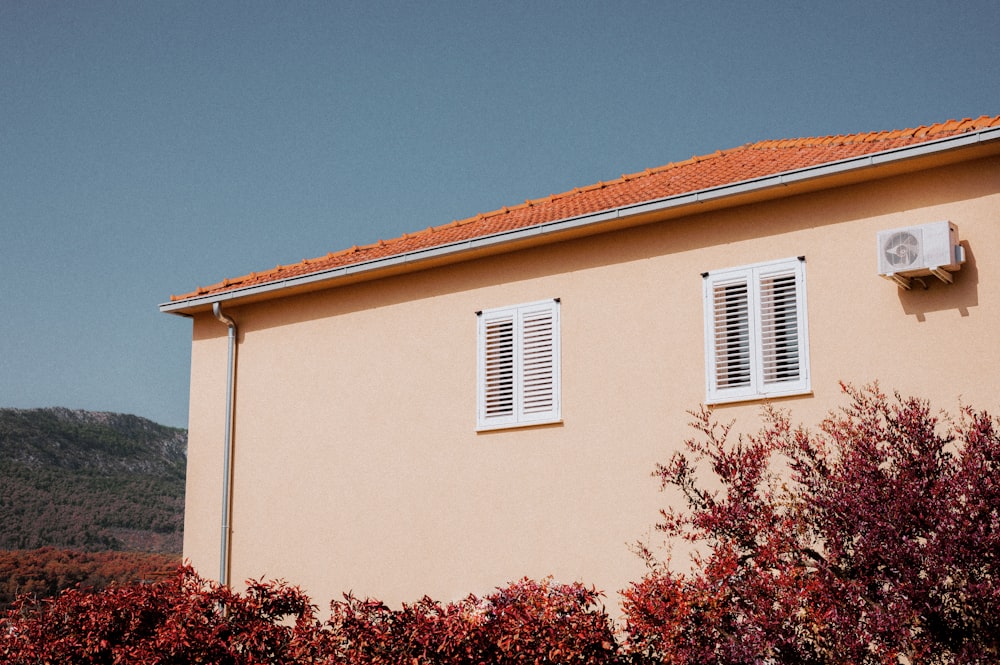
(147, 148)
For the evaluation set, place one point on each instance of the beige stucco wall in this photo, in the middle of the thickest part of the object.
(358, 465)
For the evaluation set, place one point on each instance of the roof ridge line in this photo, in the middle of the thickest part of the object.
(947, 127)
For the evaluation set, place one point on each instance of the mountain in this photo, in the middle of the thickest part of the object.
(90, 481)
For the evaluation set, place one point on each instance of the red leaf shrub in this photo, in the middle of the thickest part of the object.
(183, 619)
(880, 543)
(526, 622)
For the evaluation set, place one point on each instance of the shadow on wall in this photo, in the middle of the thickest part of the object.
(929, 294)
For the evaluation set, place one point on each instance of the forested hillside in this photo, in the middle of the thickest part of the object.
(44, 572)
(90, 481)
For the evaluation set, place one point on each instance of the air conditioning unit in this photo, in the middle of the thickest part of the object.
(916, 251)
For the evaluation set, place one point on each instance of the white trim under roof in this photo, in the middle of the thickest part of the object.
(966, 139)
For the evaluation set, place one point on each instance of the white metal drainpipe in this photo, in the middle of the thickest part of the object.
(227, 460)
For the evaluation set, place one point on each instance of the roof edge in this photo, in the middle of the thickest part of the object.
(776, 180)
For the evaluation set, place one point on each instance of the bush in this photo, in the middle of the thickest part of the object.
(188, 620)
(526, 622)
(183, 619)
(881, 542)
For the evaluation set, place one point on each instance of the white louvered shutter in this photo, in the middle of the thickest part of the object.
(538, 379)
(498, 372)
(755, 330)
(731, 333)
(519, 365)
(779, 329)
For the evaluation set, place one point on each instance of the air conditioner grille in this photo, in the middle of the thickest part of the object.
(902, 249)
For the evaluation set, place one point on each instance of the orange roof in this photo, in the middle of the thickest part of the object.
(725, 167)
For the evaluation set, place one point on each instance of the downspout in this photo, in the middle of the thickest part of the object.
(227, 460)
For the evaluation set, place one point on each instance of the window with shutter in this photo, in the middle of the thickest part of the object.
(518, 365)
(755, 331)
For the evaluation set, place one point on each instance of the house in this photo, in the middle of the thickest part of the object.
(484, 400)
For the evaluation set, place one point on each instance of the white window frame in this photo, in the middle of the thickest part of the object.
(518, 353)
(756, 347)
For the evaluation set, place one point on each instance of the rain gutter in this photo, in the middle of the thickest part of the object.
(225, 547)
(773, 181)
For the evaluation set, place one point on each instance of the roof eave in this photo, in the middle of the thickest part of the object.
(677, 202)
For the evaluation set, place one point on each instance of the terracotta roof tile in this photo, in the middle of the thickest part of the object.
(723, 167)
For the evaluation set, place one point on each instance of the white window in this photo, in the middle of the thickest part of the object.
(518, 365)
(756, 342)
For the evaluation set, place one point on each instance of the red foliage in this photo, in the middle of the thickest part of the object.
(524, 623)
(880, 543)
(185, 619)
(180, 620)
